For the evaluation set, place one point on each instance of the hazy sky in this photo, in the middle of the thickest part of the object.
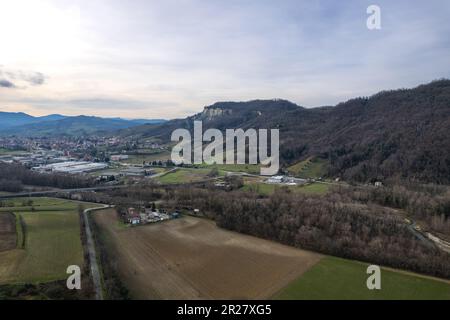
(166, 59)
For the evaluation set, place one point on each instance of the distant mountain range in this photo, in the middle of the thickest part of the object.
(14, 119)
(22, 124)
(392, 134)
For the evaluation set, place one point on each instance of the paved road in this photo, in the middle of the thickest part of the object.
(95, 273)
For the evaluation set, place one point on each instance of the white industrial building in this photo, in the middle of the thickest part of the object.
(291, 181)
(72, 167)
(275, 179)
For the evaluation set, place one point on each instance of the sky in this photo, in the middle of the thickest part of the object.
(169, 59)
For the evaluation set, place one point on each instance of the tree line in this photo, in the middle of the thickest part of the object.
(13, 177)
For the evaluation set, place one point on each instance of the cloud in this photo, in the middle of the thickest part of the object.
(93, 103)
(35, 78)
(6, 84)
(168, 58)
(22, 78)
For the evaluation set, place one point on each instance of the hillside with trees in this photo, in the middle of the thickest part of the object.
(402, 134)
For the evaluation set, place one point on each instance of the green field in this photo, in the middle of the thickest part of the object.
(309, 168)
(336, 278)
(317, 187)
(185, 175)
(52, 242)
(39, 204)
(267, 189)
(249, 168)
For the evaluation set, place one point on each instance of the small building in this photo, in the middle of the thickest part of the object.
(135, 220)
(291, 181)
(133, 217)
(275, 179)
(119, 157)
(378, 184)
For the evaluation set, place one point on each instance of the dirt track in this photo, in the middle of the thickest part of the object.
(190, 258)
(8, 236)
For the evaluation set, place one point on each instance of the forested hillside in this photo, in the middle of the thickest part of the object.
(392, 134)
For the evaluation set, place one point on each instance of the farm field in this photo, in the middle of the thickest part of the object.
(317, 187)
(249, 168)
(336, 278)
(184, 175)
(309, 168)
(191, 258)
(52, 242)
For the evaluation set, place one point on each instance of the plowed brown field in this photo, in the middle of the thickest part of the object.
(8, 234)
(191, 258)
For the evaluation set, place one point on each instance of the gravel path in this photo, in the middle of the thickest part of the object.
(92, 255)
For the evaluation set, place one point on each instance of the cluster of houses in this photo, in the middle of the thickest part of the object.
(148, 215)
